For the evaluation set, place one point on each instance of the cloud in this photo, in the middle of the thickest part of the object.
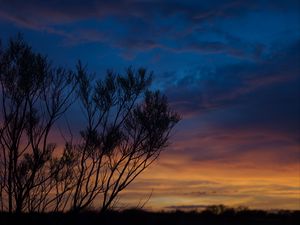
(240, 117)
(66, 11)
(167, 22)
(179, 192)
(249, 89)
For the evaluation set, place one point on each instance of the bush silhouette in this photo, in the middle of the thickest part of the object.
(126, 128)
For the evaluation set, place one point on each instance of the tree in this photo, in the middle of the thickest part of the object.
(34, 95)
(127, 126)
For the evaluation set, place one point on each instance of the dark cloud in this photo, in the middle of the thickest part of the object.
(257, 93)
(66, 11)
(247, 112)
(182, 20)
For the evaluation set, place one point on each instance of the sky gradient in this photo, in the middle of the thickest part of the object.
(230, 68)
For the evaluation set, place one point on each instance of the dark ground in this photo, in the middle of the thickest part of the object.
(132, 217)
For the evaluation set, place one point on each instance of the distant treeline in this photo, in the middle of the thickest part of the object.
(133, 216)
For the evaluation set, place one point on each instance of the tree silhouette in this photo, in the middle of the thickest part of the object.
(126, 128)
(34, 95)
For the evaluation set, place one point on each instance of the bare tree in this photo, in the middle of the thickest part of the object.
(127, 128)
(34, 95)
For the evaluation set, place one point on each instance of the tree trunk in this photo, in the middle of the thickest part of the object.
(10, 192)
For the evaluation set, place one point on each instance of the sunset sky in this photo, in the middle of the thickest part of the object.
(230, 68)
